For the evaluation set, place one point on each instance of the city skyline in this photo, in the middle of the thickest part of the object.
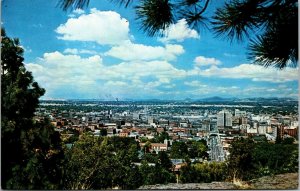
(100, 53)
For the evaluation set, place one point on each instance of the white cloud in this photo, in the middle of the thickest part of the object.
(170, 86)
(76, 12)
(249, 71)
(79, 11)
(203, 61)
(250, 91)
(116, 83)
(161, 70)
(71, 73)
(179, 32)
(76, 51)
(103, 27)
(271, 90)
(129, 51)
(77, 76)
(195, 84)
(173, 50)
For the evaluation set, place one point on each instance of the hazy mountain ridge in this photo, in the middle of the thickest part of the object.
(207, 99)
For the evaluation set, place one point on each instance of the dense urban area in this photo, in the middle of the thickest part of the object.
(181, 141)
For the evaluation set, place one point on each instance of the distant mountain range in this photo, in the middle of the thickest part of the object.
(217, 99)
(207, 99)
(256, 99)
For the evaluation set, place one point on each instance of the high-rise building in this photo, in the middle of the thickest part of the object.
(224, 119)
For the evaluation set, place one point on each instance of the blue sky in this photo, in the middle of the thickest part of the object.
(100, 53)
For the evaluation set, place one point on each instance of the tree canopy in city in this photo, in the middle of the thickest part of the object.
(101, 163)
(270, 26)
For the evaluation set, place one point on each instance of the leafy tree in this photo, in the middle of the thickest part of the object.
(208, 172)
(155, 174)
(161, 137)
(187, 174)
(240, 159)
(143, 139)
(101, 163)
(288, 140)
(164, 160)
(270, 25)
(270, 158)
(150, 158)
(133, 178)
(83, 162)
(31, 152)
(103, 132)
(179, 150)
(72, 139)
(147, 147)
(197, 149)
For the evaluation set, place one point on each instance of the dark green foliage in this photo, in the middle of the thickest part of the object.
(150, 158)
(70, 139)
(270, 158)
(103, 132)
(240, 160)
(203, 172)
(288, 140)
(155, 174)
(273, 24)
(179, 150)
(216, 171)
(252, 160)
(236, 18)
(161, 137)
(278, 140)
(187, 174)
(197, 149)
(279, 44)
(158, 174)
(193, 12)
(164, 160)
(191, 149)
(100, 163)
(31, 153)
(146, 147)
(155, 15)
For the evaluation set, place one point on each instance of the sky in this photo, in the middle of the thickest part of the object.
(99, 52)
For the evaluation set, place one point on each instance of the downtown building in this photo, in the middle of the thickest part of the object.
(224, 119)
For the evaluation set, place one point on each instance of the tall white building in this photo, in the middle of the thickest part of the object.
(224, 119)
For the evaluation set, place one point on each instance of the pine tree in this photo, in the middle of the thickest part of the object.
(31, 152)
